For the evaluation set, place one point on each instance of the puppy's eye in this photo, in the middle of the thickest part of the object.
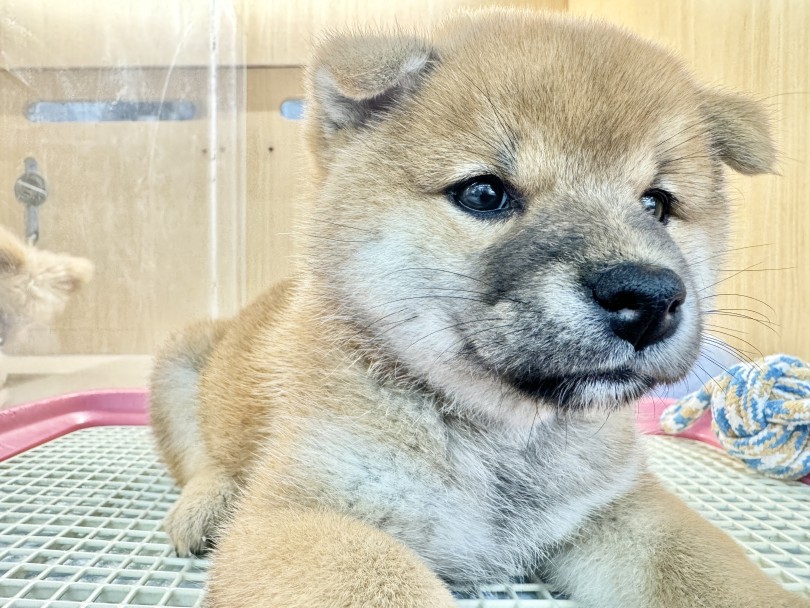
(480, 195)
(659, 203)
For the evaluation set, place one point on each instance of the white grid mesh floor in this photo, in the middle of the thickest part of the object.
(80, 524)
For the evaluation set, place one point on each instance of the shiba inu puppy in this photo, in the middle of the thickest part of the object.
(509, 243)
(35, 285)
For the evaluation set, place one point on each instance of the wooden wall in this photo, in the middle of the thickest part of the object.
(136, 197)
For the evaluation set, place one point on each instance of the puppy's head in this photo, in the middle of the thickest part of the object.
(524, 210)
(35, 284)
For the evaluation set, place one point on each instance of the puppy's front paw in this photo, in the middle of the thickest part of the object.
(191, 533)
(194, 520)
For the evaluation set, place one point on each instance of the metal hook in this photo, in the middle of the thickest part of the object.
(32, 191)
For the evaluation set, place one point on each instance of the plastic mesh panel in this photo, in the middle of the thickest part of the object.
(80, 524)
(768, 517)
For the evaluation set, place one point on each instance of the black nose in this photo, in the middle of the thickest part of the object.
(643, 301)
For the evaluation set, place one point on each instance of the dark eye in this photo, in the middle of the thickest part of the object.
(484, 194)
(659, 203)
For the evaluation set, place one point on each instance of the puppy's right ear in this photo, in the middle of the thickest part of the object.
(354, 80)
(10, 261)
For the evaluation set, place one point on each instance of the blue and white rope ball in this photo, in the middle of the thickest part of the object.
(760, 414)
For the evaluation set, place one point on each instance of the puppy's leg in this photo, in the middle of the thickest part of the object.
(305, 558)
(651, 551)
(174, 397)
(193, 520)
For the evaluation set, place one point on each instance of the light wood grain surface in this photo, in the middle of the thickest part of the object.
(41, 377)
(281, 32)
(277, 176)
(144, 33)
(100, 33)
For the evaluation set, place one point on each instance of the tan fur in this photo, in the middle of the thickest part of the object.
(356, 453)
(651, 545)
(35, 286)
(321, 559)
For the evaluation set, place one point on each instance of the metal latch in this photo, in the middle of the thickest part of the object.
(31, 190)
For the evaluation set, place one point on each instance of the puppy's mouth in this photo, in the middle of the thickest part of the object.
(580, 391)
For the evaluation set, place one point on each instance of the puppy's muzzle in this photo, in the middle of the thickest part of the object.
(642, 302)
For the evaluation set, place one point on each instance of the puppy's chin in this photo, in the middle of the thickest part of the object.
(604, 390)
(596, 376)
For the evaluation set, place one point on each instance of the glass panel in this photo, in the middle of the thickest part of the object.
(126, 151)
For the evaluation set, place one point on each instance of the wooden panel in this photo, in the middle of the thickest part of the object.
(277, 175)
(137, 198)
(280, 32)
(759, 46)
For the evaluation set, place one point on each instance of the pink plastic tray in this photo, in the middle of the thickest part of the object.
(27, 426)
(648, 419)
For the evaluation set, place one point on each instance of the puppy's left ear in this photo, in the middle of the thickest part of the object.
(51, 278)
(740, 130)
(57, 276)
(356, 79)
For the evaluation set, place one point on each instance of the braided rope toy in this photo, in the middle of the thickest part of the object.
(760, 414)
